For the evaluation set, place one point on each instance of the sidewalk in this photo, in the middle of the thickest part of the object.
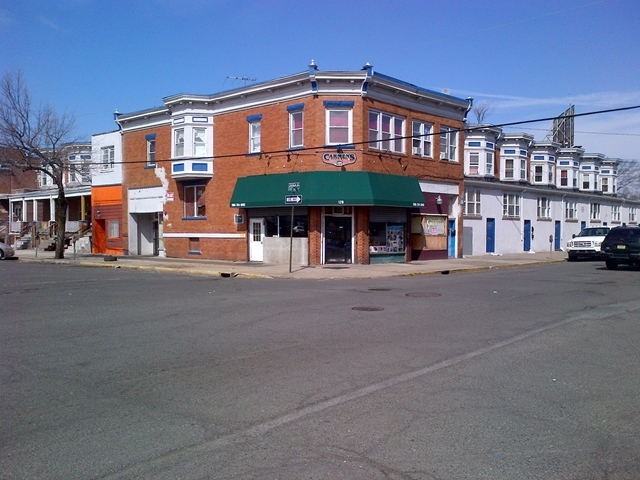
(261, 270)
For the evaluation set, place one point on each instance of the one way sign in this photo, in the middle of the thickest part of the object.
(292, 199)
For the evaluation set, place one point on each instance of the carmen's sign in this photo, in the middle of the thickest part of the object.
(339, 159)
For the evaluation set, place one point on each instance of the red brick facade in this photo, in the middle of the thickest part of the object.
(215, 233)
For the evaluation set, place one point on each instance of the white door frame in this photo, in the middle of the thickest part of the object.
(256, 240)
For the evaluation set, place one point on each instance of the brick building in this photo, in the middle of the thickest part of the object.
(315, 168)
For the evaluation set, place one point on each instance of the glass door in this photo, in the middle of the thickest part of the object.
(337, 239)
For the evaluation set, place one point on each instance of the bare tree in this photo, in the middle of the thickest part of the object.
(482, 110)
(629, 178)
(41, 138)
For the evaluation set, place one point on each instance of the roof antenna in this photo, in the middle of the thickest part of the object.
(243, 79)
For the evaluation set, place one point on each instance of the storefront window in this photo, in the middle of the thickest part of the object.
(280, 226)
(386, 238)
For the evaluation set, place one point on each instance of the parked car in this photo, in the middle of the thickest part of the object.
(587, 243)
(621, 246)
(6, 251)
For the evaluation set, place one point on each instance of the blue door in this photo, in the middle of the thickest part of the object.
(557, 238)
(452, 239)
(527, 235)
(491, 235)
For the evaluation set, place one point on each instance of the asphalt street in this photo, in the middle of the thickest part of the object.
(528, 372)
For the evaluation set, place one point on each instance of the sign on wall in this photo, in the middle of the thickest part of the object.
(339, 159)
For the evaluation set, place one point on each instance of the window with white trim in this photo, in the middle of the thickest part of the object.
(543, 209)
(474, 163)
(194, 205)
(537, 173)
(472, 202)
(108, 155)
(199, 142)
(255, 137)
(421, 141)
(178, 142)
(339, 126)
(510, 205)
(615, 213)
(633, 215)
(151, 152)
(296, 129)
(448, 143)
(508, 168)
(386, 132)
(571, 211)
(523, 169)
(564, 178)
(605, 185)
(489, 167)
(586, 182)
(594, 211)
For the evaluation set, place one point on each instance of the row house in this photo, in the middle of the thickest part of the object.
(32, 211)
(106, 193)
(523, 195)
(314, 168)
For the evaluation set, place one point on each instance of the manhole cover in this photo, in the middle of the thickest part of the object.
(423, 294)
(367, 309)
(379, 289)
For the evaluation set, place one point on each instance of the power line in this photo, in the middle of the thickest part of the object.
(348, 146)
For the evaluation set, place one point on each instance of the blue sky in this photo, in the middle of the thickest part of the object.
(528, 59)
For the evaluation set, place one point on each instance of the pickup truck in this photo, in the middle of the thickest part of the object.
(587, 243)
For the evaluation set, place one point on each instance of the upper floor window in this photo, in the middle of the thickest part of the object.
(571, 210)
(605, 185)
(564, 178)
(178, 142)
(510, 205)
(474, 163)
(537, 174)
(108, 155)
(594, 211)
(523, 169)
(489, 168)
(472, 202)
(633, 214)
(421, 139)
(199, 142)
(508, 168)
(151, 149)
(386, 132)
(255, 133)
(543, 207)
(339, 122)
(448, 143)
(296, 129)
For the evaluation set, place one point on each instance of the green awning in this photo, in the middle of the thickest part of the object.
(327, 188)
